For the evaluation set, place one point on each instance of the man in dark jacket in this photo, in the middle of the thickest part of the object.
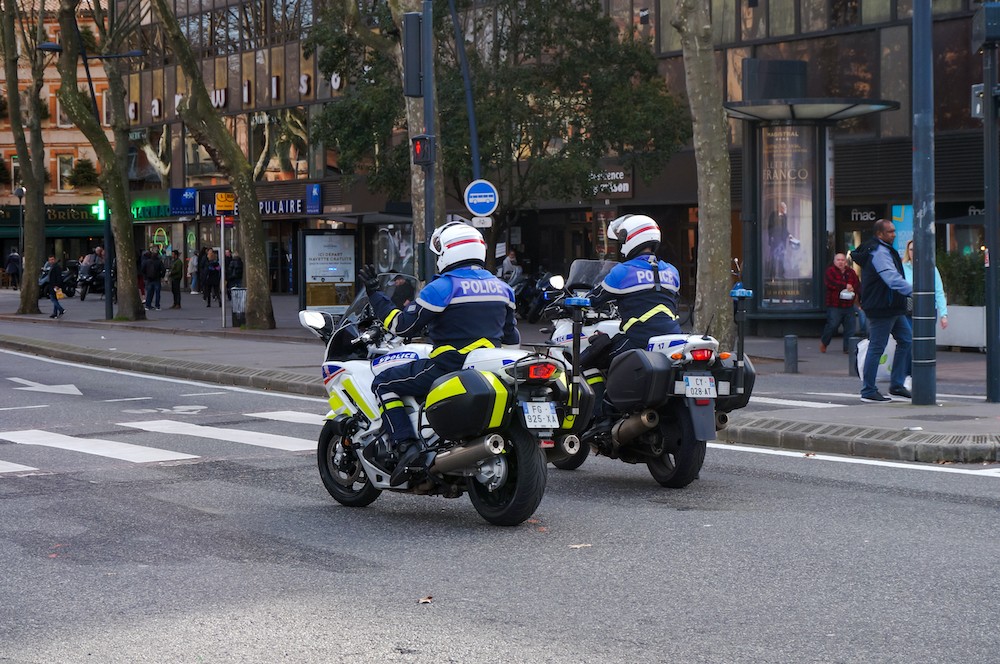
(884, 297)
(52, 278)
(152, 272)
(176, 276)
(842, 291)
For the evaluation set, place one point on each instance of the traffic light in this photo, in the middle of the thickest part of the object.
(412, 47)
(100, 210)
(423, 150)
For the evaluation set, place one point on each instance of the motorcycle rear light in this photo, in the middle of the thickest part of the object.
(545, 444)
(702, 402)
(542, 371)
(701, 354)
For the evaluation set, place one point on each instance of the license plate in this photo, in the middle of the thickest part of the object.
(540, 414)
(700, 386)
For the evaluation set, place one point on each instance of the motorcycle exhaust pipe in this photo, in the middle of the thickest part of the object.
(633, 426)
(467, 456)
(570, 444)
(721, 421)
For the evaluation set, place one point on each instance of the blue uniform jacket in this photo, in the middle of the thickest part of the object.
(646, 310)
(460, 308)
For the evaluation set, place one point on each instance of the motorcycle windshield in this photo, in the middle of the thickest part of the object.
(389, 283)
(587, 273)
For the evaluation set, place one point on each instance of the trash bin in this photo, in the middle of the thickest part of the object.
(239, 306)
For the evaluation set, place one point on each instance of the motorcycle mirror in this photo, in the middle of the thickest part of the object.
(545, 330)
(312, 319)
(557, 281)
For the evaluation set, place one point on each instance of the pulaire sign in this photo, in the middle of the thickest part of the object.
(275, 208)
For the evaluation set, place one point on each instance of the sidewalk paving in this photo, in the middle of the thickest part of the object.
(191, 343)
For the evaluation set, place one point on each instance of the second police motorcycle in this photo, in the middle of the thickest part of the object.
(487, 428)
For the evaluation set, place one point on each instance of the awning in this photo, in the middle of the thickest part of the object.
(822, 109)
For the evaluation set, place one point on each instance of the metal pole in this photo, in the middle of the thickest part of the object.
(222, 271)
(991, 175)
(463, 62)
(427, 63)
(924, 368)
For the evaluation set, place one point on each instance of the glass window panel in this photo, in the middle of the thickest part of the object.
(723, 22)
(947, 6)
(279, 144)
(894, 75)
(620, 12)
(813, 15)
(843, 12)
(904, 9)
(253, 22)
(781, 16)
(65, 165)
(875, 11)
(753, 21)
(956, 69)
(670, 39)
(199, 169)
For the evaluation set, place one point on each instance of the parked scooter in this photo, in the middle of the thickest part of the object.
(664, 402)
(484, 426)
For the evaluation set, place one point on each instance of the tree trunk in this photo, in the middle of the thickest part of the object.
(704, 85)
(207, 128)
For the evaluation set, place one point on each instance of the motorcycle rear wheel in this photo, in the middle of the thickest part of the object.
(518, 498)
(345, 481)
(680, 463)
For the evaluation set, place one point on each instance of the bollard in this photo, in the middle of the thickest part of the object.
(791, 354)
(852, 356)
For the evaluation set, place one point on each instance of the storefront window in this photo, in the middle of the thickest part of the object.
(279, 144)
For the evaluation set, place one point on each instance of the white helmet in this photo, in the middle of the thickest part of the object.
(455, 243)
(633, 231)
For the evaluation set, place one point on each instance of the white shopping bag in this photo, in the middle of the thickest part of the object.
(884, 362)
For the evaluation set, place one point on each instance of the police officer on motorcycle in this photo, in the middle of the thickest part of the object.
(644, 287)
(463, 309)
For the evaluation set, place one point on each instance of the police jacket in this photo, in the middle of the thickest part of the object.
(884, 290)
(646, 298)
(463, 309)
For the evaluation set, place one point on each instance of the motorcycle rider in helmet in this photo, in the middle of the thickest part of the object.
(464, 308)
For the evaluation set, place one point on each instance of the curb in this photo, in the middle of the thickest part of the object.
(219, 374)
(861, 441)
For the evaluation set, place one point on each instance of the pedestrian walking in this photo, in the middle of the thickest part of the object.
(13, 268)
(51, 280)
(842, 289)
(940, 301)
(213, 279)
(884, 297)
(234, 273)
(176, 277)
(152, 270)
(192, 272)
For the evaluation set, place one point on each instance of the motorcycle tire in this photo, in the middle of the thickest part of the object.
(518, 497)
(69, 291)
(573, 461)
(346, 481)
(83, 292)
(535, 312)
(678, 468)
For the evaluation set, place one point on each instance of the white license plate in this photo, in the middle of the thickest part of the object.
(700, 387)
(540, 414)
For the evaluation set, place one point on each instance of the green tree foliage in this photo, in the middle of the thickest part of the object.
(84, 174)
(555, 88)
(963, 277)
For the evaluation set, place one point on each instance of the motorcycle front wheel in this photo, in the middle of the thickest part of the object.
(681, 458)
(523, 487)
(341, 472)
(83, 292)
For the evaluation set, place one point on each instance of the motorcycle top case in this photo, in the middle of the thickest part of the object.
(469, 403)
(639, 379)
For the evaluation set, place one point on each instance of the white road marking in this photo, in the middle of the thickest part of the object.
(792, 403)
(231, 435)
(24, 407)
(180, 381)
(175, 410)
(97, 446)
(200, 394)
(291, 416)
(861, 461)
(6, 467)
(32, 386)
(127, 399)
(857, 396)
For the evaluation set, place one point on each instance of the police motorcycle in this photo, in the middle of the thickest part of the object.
(667, 401)
(485, 426)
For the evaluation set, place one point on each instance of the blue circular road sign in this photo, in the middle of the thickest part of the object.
(481, 198)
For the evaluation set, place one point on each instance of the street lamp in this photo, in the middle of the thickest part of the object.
(52, 47)
(20, 192)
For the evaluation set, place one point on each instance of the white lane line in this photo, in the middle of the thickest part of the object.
(857, 396)
(97, 446)
(7, 467)
(127, 399)
(231, 435)
(201, 394)
(180, 381)
(25, 407)
(933, 468)
(293, 416)
(792, 403)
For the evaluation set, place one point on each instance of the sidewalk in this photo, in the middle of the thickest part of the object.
(191, 343)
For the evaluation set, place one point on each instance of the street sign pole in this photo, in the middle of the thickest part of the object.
(427, 63)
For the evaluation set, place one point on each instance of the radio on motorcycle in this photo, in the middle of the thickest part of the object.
(469, 403)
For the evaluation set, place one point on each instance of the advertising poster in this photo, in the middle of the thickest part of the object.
(787, 243)
(329, 271)
(902, 219)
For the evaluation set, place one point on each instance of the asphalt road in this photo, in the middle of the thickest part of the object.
(229, 550)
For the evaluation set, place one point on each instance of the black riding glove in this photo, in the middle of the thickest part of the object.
(368, 278)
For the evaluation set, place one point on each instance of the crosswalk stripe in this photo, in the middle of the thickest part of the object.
(792, 403)
(293, 416)
(7, 467)
(230, 435)
(97, 446)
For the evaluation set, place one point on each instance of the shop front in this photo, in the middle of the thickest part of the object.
(71, 231)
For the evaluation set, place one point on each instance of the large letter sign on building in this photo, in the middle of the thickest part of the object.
(481, 198)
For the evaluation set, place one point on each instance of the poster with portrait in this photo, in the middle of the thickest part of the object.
(786, 216)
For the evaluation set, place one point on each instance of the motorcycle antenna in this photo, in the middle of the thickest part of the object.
(709, 326)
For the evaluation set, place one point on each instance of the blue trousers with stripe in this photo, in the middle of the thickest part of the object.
(413, 380)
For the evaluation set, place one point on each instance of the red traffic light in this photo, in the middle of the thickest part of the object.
(423, 149)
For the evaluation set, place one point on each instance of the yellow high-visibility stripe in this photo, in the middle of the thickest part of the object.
(388, 319)
(658, 309)
(355, 394)
(593, 380)
(395, 403)
(500, 402)
(336, 403)
(567, 422)
(450, 388)
(480, 343)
